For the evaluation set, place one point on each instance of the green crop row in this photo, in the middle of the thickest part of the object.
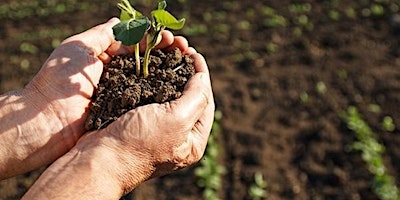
(371, 152)
(210, 172)
(16, 10)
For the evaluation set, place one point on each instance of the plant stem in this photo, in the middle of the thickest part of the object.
(146, 59)
(153, 39)
(137, 59)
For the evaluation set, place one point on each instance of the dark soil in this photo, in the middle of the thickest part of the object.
(261, 76)
(120, 90)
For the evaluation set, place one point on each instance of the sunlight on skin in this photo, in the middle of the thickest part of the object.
(22, 132)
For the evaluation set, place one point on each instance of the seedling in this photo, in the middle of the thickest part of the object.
(388, 124)
(258, 190)
(131, 29)
(210, 172)
(134, 26)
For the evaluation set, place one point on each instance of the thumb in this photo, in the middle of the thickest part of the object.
(194, 100)
(197, 94)
(98, 38)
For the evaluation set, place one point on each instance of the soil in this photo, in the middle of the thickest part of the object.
(121, 90)
(267, 83)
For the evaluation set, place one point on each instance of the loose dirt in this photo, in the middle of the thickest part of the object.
(121, 90)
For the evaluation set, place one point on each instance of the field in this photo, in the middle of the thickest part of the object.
(288, 77)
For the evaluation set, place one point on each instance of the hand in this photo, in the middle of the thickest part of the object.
(69, 76)
(163, 137)
(146, 142)
(45, 120)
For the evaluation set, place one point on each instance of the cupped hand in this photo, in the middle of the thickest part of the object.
(146, 142)
(156, 139)
(69, 77)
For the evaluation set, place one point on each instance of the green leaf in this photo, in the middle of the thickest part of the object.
(127, 11)
(162, 5)
(132, 31)
(125, 16)
(165, 18)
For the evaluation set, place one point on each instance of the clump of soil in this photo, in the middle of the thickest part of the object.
(120, 90)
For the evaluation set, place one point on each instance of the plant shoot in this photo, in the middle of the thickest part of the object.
(131, 29)
(134, 25)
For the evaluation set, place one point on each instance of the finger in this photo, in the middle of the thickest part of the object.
(206, 120)
(191, 105)
(190, 51)
(204, 124)
(201, 132)
(179, 42)
(197, 94)
(117, 48)
(202, 128)
(96, 39)
(200, 64)
(201, 67)
(104, 57)
(167, 40)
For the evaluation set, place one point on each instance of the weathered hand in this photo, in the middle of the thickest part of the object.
(156, 139)
(45, 119)
(146, 142)
(72, 72)
(69, 76)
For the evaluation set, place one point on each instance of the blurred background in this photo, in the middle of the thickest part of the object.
(307, 93)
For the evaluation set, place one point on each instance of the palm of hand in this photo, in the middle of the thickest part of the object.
(167, 136)
(67, 81)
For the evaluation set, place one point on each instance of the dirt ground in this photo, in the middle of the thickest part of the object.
(281, 89)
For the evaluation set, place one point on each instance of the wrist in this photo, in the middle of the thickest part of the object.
(126, 167)
(27, 127)
(97, 165)
(32, 134)
(86, 171)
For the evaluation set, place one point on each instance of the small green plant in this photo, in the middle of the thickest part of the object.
(388, 124)
(300, 7)
(302, 20)
(334, 15)
(272, 19)
(304, 97)
(28, 48)
(375, 108)
(342, 74)
(301, 17)
(271, 47)
(126, 34)
(371, 151)
(210, 172)
(377, 10)
(134, 26)
(258, 189)
(321, 87)
(351, 13)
